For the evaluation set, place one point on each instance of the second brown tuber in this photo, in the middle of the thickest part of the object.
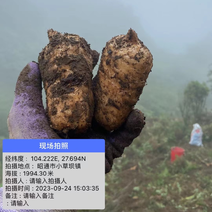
(125, 65)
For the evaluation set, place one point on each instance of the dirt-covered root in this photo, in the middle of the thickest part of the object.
(124, 68)
(66, 65)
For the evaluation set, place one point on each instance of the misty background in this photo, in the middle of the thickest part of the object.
(178, 34)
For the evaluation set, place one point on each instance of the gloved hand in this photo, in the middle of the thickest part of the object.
(27, 119)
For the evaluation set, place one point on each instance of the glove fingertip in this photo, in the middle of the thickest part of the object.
(135, 122)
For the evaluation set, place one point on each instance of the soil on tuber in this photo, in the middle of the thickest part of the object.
(125, 65)
(66, 66)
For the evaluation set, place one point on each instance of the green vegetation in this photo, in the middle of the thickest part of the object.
(144, 179)
(210, 79)
(192, 106)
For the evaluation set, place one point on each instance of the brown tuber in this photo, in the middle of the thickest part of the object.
(123, 71)
(66, 65)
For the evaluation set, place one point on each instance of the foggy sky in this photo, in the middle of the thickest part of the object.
(174, 25)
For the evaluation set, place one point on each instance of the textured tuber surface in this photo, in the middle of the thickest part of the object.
(66, 65)
(123, 71)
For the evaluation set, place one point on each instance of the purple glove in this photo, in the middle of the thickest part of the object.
(27, 119)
